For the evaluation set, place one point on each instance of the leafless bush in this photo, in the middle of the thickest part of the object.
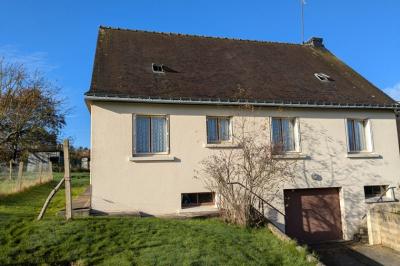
(254, 164)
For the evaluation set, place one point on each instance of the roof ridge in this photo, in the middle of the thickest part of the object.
(199, 36)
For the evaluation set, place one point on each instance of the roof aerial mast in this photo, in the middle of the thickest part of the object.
(302, 3)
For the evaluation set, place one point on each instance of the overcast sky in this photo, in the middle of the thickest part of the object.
(59, 37)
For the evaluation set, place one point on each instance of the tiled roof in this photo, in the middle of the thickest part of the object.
(199, 67)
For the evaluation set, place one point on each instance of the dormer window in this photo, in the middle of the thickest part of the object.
(323, 77)
(157, 68)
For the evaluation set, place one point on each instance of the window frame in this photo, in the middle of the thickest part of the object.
(296, 133)
(162, 71)
(383, 188)
(368, 135)
(191, 205)
(219, 141)
(167, 134)
(323, 77)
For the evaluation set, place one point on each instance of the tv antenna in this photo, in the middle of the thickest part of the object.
(302, 3)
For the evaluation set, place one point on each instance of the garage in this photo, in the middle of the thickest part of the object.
(313, 215)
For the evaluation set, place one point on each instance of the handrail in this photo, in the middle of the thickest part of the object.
(380, 199)
(259, 197)
(384, 193)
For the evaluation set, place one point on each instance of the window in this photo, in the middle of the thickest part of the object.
(151, 134)
(218, 129)
(197, 199)
(374, 191)
(323, 77)
(283, 134)
(356, 131)
(157, 68)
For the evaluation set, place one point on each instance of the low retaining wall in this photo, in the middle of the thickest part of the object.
(384, 225)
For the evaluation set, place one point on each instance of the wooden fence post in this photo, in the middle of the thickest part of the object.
(51, 170)
(67, 178)
(10, 174)
(20, 172)
(40, 172)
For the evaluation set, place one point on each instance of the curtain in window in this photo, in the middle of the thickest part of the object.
(276, 131)
(283, 133)
(356, 135)
(142, 134)
(359, 135)
(224, 129)
(158, 134)
(212, 133)
(288, 134)
(350, 133)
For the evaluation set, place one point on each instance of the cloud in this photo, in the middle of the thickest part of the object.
(33, 61)
(394, 91)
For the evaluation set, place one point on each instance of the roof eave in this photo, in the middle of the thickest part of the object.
(188, 101)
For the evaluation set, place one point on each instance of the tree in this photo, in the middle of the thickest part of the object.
(76, 155)
(30, 113)
(255, 168)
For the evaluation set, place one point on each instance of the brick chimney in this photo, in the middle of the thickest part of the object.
(315, 42)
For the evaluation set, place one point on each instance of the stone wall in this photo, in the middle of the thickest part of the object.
(384, 225)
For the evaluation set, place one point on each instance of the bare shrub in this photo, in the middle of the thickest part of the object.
(255, 166)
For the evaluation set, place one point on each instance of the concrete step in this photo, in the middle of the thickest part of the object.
(79, 212)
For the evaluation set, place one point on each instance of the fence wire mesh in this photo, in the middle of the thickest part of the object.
(16, 177)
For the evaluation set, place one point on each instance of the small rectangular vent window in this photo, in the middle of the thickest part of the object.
(323, 77)
(157, 68)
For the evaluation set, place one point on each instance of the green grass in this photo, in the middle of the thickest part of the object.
(128, 240)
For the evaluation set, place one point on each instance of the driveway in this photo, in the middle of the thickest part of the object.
(355, 253)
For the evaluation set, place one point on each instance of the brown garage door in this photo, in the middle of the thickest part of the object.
(313, 215)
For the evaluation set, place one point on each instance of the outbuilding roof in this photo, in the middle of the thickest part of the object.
(151, 65)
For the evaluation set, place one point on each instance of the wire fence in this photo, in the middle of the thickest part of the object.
(16, 177)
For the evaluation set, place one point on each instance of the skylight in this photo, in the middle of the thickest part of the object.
(157, 68)
(323, 77)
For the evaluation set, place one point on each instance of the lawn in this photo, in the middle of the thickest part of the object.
(128, 240)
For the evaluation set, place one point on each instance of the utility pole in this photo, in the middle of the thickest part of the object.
(67, 178)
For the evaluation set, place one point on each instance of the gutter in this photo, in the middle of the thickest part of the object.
(299, 104)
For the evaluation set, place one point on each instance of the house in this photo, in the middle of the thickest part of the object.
(160, 103)
(398, 124)
(38, 159)
(85, 161)
(80, 158)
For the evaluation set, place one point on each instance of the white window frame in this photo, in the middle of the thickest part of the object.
(369, 143)
(296, 132)
(157, 71)
(323, 77)
(134, 116)
(230, 130)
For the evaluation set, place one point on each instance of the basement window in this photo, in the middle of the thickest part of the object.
(197, 199)
(374, 191)
(323, 77)
(157, 68)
